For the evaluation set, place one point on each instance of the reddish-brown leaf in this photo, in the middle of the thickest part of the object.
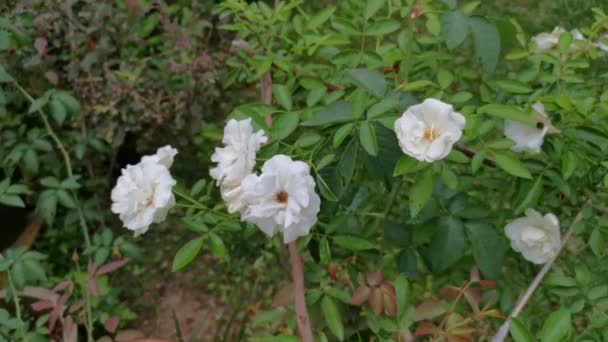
(63, 285)
(390, 304)
(449, 293)
(429, 309)
(93, 287)
(473, 297)
(42, 305)
(375, 301)
(77, 305)
(111, 324)
(105, 339)
(426, 328)
(53, 317)
(360, 295)
(70, 330)
(487, 284)
(111, 267)
(40, 44)
(474, 276)
(374, 278)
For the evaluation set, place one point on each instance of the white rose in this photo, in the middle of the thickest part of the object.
(535, 236)
(427, 131)
(545, 41)
(163, 156)
(282, 198)
(143, 195)
(530, 138)
(577, 35)
(237, 159)
(601, 45)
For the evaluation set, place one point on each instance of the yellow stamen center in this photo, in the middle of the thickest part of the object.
(281, 197)
(430, 134)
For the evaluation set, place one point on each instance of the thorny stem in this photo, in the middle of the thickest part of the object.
(297, 271)
(17, 305)
(523, 300)
(83, 222)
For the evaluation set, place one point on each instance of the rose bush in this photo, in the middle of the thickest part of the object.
(426, 147)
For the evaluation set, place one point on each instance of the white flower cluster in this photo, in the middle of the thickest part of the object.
(143, 193)
(546, 41)
(281, 198)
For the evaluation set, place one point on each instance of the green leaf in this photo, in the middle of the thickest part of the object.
(511, 164)
(407, 165)
(569, 163)
(5, 41)
(65, 199)
(47, 206)
(597, 242)
(417, 85)
(283, 95)
(557, 326)
(488, 249)
(367, 137)
(4, 76)
(396, 234)
(38, 103)
(187, 253)
(531, 193)
(519, 331)
(30, 159)
(285, 125)
(514, 86)
(69, 102)
(340, 111)
(421, 191)
(217, 247)
(324, 251)
(507, 112)
(454, 28)
(342, 133)
(447, 244)
(320, 18)
(382, 27)
(444, 78)
(371, 7)
(58, 111)
(449, 177)
(402, 290)
(407, 262)
(315, 96)
(565, 40)
(12, 200)
(368, 79)
(325, 190)
(353, 243)
(487, 42)
(307, 140)
(332, 316)
(382, 107)
(198, 187)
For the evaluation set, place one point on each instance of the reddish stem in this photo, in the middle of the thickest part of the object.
(297, 271)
